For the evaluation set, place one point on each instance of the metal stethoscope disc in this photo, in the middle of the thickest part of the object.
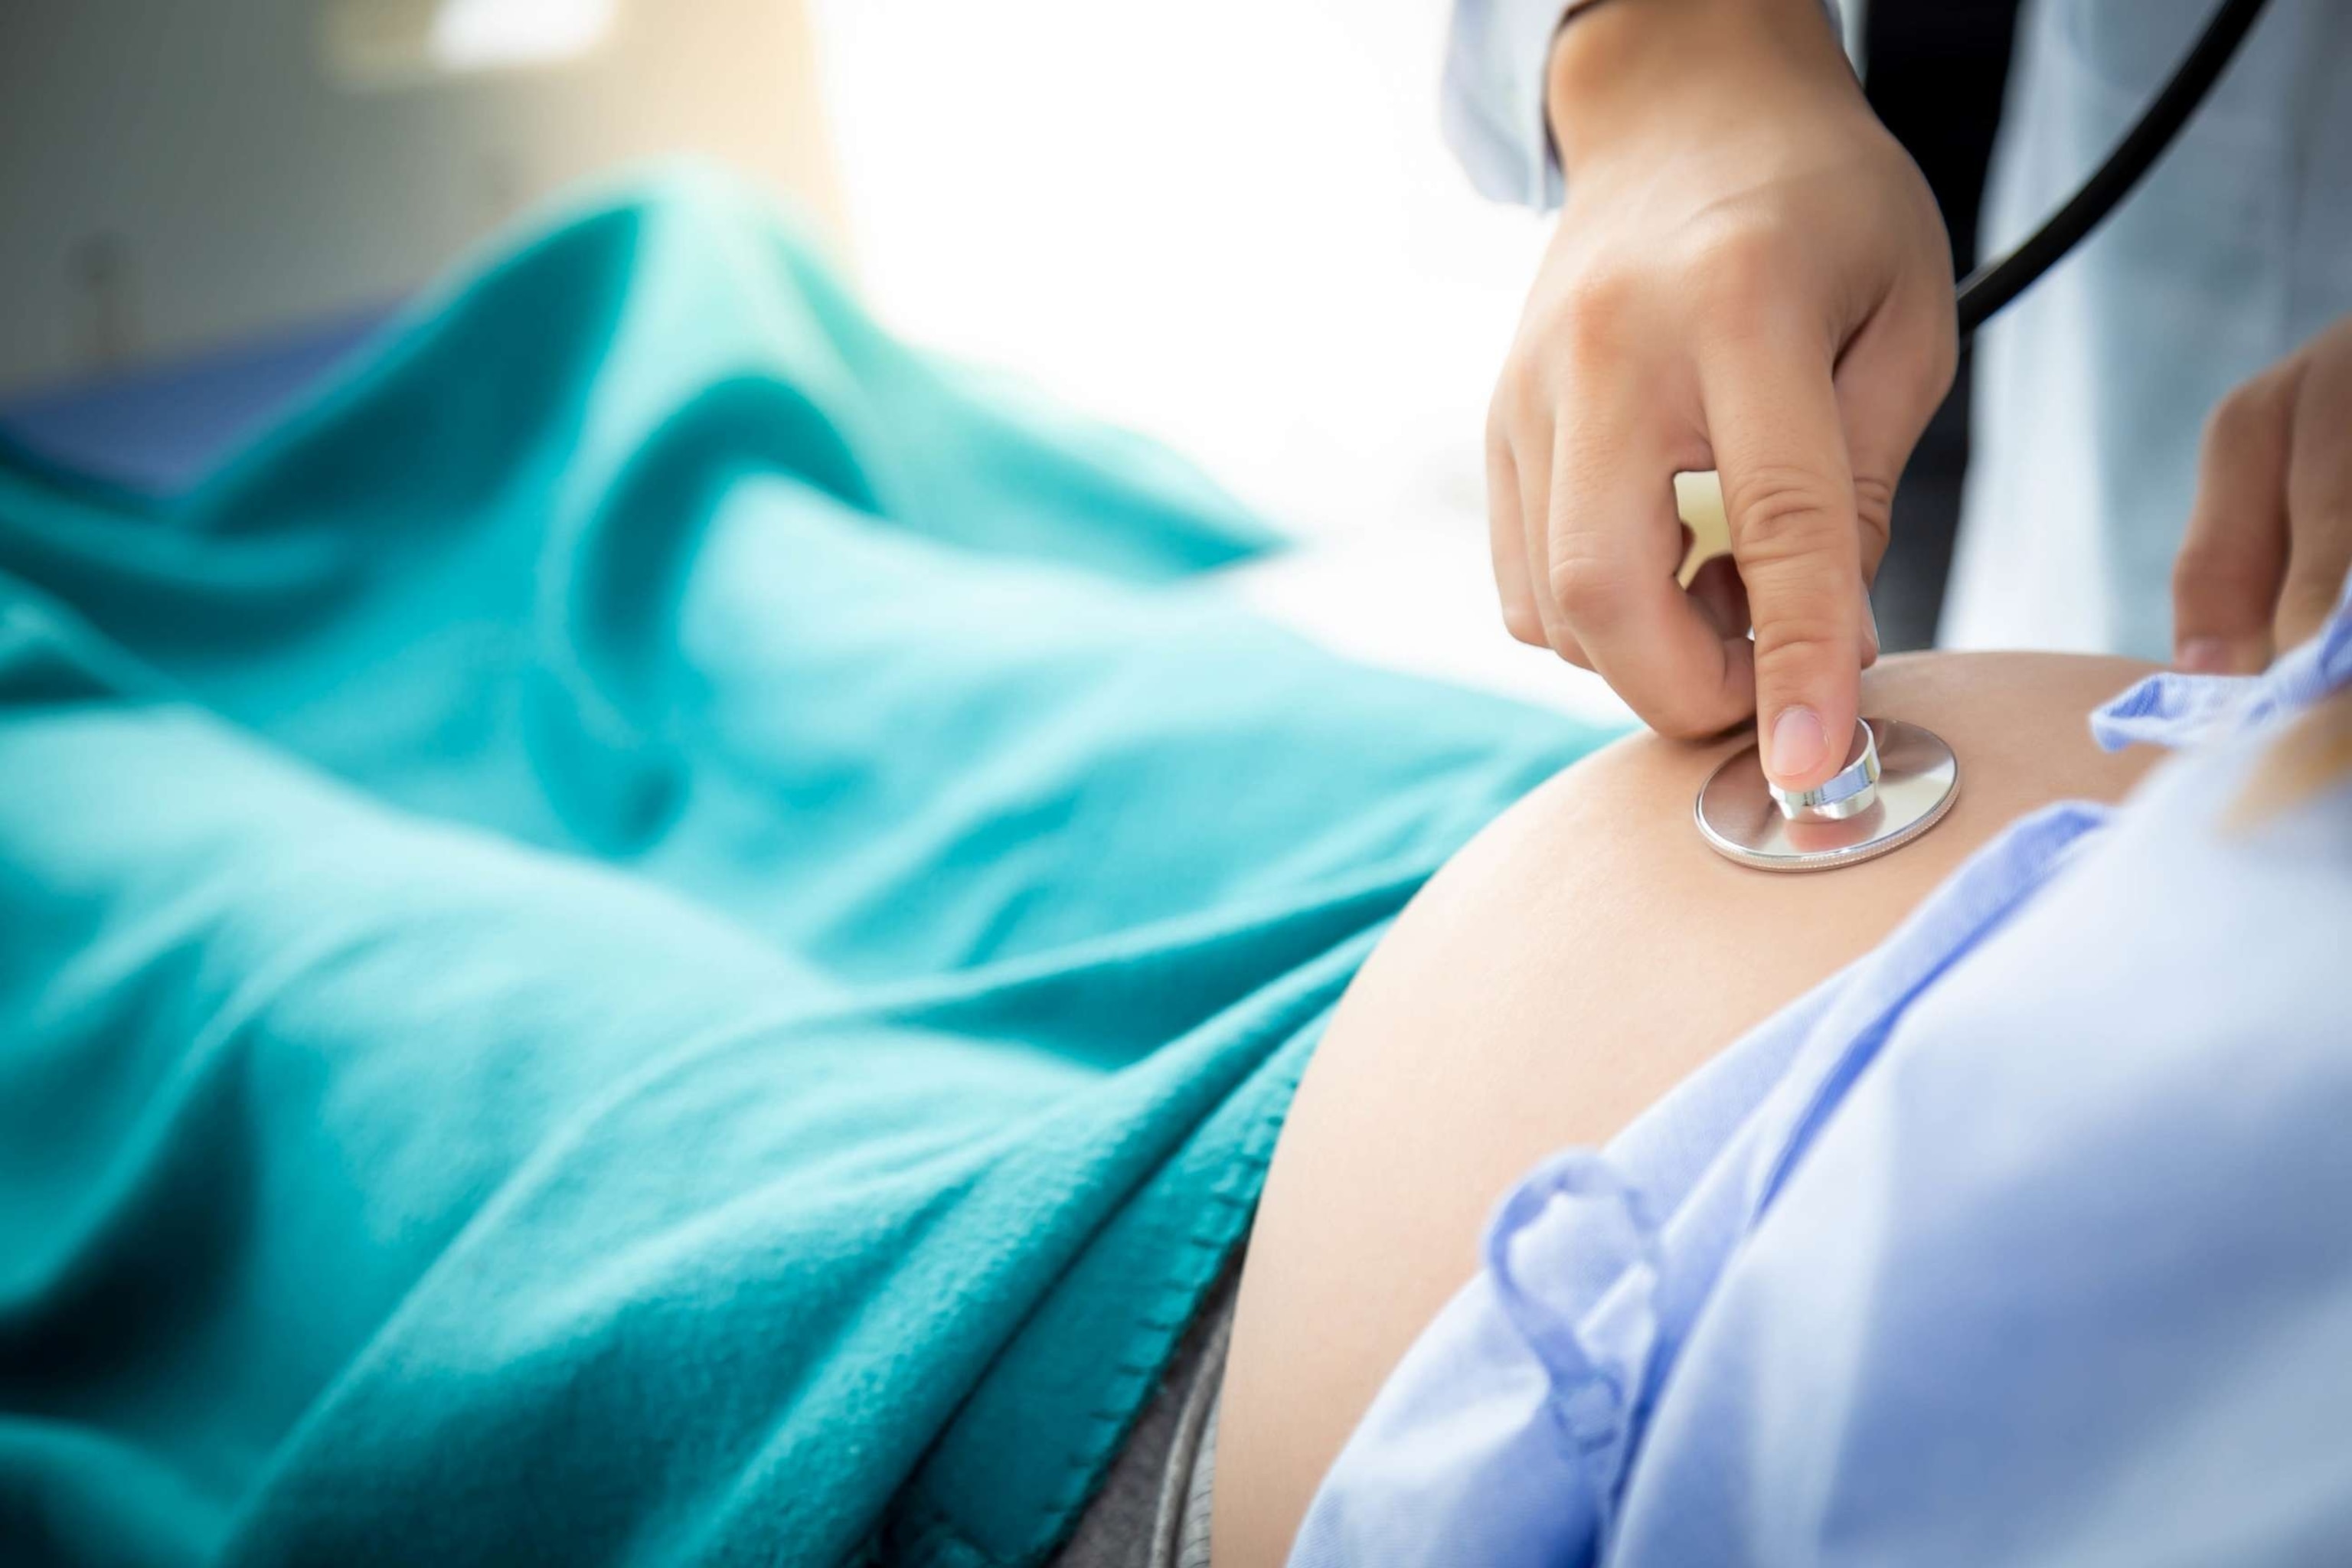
(1899, 782)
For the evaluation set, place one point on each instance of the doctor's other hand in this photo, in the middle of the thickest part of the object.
(2270, 536)
(1749, 276)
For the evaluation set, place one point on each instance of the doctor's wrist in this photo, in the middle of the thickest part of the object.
(1618, 65)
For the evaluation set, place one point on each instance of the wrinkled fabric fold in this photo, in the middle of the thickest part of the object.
(663, 930)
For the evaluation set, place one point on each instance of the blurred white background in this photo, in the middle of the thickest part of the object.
(1233, 225)
(1230, 223)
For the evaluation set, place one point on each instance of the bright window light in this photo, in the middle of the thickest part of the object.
(492, 34)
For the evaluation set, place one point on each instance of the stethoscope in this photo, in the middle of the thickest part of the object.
(1899, 779)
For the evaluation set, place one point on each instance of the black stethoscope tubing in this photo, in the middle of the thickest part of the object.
(1996, 283)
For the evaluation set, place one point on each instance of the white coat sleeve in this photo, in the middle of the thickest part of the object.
(1493, 100)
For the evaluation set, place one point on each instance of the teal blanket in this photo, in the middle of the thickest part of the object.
(663, 930)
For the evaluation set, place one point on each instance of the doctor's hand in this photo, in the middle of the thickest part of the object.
(2270, 537)
(1749, 276)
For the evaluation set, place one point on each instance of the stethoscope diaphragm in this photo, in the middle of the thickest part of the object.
(1899, 782)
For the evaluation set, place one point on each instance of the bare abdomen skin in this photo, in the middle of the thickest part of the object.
(1573, 963)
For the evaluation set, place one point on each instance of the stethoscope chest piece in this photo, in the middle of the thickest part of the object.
(1899, 782)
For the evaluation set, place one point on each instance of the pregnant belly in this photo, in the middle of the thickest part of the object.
(1573, 963)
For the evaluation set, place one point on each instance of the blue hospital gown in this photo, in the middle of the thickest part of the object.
(2026, 1239)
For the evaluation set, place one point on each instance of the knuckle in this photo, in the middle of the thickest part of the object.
(2238, 417)
(1586, 321)
(1737, 272)
(1792, 644)
(2192, 571)
(1586, 590)
(1781, 513)
(1601, 299)
(1585, 335)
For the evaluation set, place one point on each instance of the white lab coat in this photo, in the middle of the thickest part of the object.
(2090, 390)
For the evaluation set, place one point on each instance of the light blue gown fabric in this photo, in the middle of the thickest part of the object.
(2023, 1240)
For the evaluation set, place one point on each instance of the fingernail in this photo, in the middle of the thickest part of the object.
(2203, 656)
(1870, 645)
(1796, 744)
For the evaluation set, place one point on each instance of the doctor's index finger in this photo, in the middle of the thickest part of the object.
(1788, 488)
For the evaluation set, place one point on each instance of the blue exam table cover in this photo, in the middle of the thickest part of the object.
(662, 931)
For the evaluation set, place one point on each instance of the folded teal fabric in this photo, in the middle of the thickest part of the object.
(663, 930)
